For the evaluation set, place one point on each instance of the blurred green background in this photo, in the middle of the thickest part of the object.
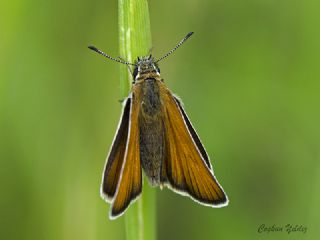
(249, 79)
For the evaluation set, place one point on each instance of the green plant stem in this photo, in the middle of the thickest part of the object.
(134, 36)
(134, 41)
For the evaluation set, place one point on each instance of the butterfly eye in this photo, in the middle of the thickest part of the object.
(135, 72)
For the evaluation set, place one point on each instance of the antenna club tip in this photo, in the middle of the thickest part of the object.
(92, 48)
(189, 34)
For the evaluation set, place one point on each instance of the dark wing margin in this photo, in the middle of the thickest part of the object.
(115, 158)
(194, 134)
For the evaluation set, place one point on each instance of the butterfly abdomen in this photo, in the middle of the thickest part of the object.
(151, 131)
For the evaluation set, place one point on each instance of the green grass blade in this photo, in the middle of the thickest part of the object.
(134, 41)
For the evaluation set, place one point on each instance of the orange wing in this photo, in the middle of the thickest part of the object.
(130, 182)
(114, 162)
(187, 168)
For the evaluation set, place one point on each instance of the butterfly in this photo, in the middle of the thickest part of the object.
(156, 135)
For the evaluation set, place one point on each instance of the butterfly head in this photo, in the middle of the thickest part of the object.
(144, 65)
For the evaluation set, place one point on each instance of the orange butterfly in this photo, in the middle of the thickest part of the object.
(155, 133)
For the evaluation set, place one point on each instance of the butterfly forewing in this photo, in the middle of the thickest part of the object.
(194, 135)
(114, 162)
(185, 167)
(130, 182)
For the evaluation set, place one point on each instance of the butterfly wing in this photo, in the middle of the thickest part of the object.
(115, 158)
(194, 134)
(187, 168)
(130, 182)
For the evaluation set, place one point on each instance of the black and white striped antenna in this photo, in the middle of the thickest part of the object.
(176, 47)
(107, 56)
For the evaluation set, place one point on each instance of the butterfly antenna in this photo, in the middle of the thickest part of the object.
(107, 56)
(176, 47)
